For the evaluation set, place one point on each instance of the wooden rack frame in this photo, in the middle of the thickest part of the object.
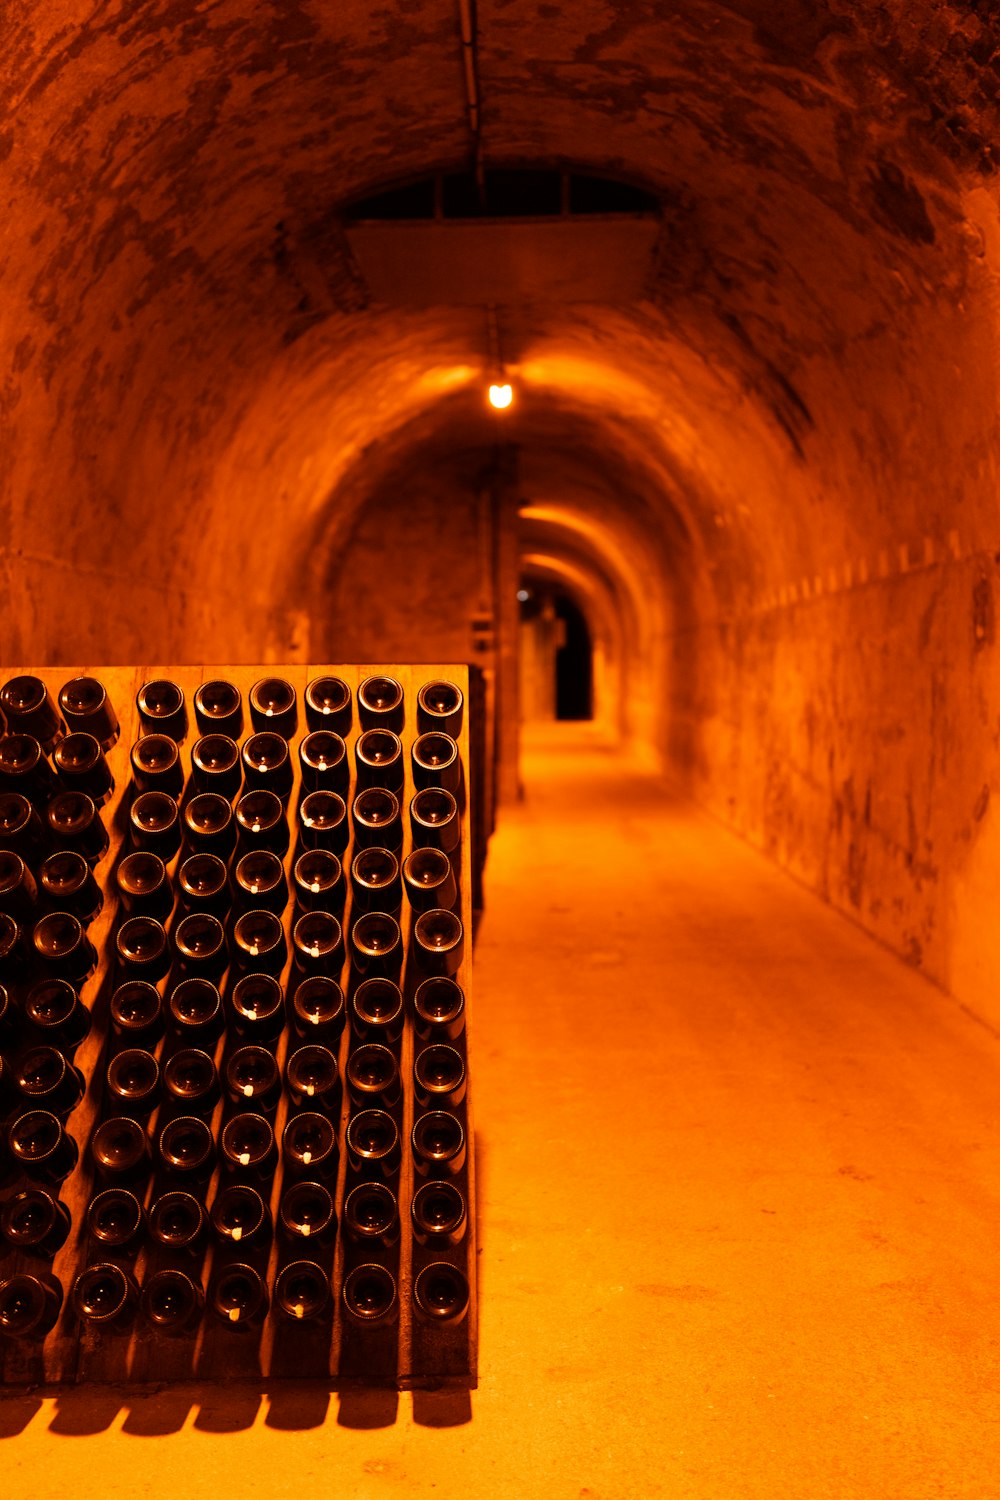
(409, 1353)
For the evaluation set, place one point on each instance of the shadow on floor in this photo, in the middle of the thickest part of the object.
(368, 1409)
(442, 1408)
(84, 1411)
(16, 1414)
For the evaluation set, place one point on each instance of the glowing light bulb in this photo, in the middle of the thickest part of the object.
(501, 396)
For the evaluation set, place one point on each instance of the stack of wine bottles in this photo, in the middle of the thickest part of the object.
(234, 972)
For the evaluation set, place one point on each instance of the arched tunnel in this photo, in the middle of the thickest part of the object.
(738, 262)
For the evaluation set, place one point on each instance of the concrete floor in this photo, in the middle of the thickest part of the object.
(740, 1195)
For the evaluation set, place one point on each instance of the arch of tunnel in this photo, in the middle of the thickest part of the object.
(777, 465)
(769, 477)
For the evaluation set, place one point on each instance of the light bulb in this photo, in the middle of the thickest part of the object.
(501, 396)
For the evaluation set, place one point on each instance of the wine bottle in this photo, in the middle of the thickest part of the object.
(318, 944)
(20, 826)
(434, 820)
(312, 1078)
(156, 765)
(195, 1008)
(438, 1143)
(143, 885)
(273, 706)
(119, 1149)
(429, 880)
(439, 706)
(137, 1013)
(161, 709)
(24, 769)
(177, 1221)
(318, 1010)
(258, 1007)
(261, 822)
(190, 1081)
(63, 948)
(259, 942)
(373, 1143)
(29, 1305)
(47, 1080)
(218, 709)
(369, 1295)
(215, 765)
(371, 1215)
(30, 709)
(87, 709)
(248, 1147)
(259, 882)
(186, 1149)
(81, 767)
(380, 703)
(18, 892)
(105, 1296)
(306, 1212)
(142, 948)
(172, 1302)
(377, 1011)
(323, 822)
(439, 1077)
(40, 1146)
(328, 704)
(302, 1291)
(438, 1214)
(75, 823)
(267, 765)
(309, 1146)
(240, 1216)
(323, 759)
(438, 942)
(238, 1296)
(56, 1014)
(154, 823)
(378, 756)
(441, 1293)
(204, 884)
(377, 819)
(375, 881)
(200, 945)
(439, 1010)
(435, 762)
(373, 1076)
(133, 1083)
(319, 881)
(376, 945)
(209, 827)
(68, 884)
(253, 1079)
(35, 1223)
(114, 1220)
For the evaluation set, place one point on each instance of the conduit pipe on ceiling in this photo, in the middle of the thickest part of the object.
(468, 26)
(469, 61)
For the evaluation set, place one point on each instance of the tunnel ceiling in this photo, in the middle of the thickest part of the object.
(193, 357)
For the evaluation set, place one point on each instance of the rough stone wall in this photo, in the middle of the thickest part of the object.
(794, 438)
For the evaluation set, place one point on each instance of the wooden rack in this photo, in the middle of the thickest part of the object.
(408, 1352)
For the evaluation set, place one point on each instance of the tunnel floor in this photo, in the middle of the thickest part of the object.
(739, 1188)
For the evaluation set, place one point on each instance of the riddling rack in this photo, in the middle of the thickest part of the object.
(235, 959)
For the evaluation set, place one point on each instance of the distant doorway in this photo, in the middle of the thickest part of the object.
(557, 655)
(574, 663)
